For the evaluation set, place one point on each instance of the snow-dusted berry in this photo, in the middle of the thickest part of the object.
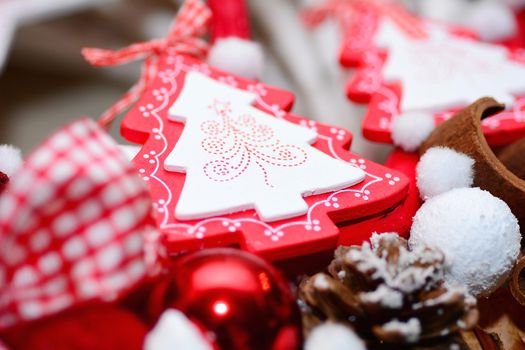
(237, 56)
(442, 169)
(411, 129)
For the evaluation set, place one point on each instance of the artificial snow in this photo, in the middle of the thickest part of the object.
(411, 129)
(452, 291)
(477, 233)
(405, 276)
(321, 282)
(237, 56)
(384, 296)
(442, 169)
(410, 330)
(10, 159)
(376, 238)
(175, 331)
(491, 20)
(333, 336)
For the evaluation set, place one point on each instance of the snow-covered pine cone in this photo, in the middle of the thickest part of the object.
(388, 293)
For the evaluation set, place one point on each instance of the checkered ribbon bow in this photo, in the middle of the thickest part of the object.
(189, 25)
(347, 11)
(72, 226)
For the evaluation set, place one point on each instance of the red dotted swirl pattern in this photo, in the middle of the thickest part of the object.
(239, 142)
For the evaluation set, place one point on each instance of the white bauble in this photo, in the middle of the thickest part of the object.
(476, 231)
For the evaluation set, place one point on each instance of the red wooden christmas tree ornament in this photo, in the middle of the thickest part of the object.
(227, 164)
(405, 64)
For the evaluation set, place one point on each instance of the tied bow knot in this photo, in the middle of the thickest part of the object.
(184, 36)
(189, 25)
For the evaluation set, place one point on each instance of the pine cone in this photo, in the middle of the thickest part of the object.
(388, 294)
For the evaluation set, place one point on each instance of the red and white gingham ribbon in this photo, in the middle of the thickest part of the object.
(344, 12)
(72, 226)
(184, 36)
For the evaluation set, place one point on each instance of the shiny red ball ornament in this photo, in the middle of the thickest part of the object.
(239, 297)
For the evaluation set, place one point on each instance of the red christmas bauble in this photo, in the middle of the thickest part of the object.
(240, 298)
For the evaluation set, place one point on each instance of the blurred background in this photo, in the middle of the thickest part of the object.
(44, 81)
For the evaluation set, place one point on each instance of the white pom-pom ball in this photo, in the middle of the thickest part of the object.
(410, 129)
(10, 159)
(333, 336)
(477, 233)
(174, 331)
(237, 56)
(441, 169)
(491, 20)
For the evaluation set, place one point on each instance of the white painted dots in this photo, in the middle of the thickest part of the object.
(314, 225)
(230, 80)
(274, 235)
(201, 68)
(332, 202)
(360, 163)
(146, 110)
(310, 124)
(160, 206)
(159, 94)
(232, 226)
(150, 157)
(259, 89)
(198, 232)
(166, 75)
(392, 180)
(365, 195)
(339, 133)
